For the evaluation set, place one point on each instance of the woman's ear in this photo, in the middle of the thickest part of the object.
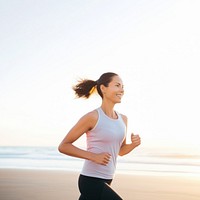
(103, 88)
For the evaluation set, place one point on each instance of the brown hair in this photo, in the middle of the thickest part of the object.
(85, 87)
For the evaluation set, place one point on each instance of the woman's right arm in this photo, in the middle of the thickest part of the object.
(86, 123)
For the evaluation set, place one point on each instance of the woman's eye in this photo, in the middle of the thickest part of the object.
(119, 85)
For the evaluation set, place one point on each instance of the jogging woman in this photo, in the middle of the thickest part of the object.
(105, 130)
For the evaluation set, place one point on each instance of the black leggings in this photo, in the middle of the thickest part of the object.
(96, 189)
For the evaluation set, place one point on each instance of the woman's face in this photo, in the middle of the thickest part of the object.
(115, 90)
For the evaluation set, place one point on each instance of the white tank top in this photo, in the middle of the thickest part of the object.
(107, 136)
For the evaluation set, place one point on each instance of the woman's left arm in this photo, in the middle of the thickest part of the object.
(135, 141)
(126, 148)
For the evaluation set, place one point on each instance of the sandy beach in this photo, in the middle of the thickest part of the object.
(20, 184)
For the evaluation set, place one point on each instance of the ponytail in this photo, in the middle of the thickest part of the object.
(84, 88)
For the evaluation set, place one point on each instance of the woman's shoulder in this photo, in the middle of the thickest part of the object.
(124, 117)
(92, 114)
(91, 118)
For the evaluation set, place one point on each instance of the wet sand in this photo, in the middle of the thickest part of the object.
(21, 184)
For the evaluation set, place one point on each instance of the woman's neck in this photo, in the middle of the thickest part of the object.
(109, 110)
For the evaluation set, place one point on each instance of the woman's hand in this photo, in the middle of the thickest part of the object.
(135, 139)
(101, 158)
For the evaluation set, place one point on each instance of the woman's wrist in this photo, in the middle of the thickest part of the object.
(90, 156)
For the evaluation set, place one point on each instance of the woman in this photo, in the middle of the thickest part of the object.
(105, 129)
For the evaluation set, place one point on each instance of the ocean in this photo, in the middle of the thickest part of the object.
(143, 161)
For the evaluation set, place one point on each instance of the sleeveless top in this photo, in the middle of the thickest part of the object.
(107, 136)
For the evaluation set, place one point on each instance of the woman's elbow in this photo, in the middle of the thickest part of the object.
(65, 148)
(61, 148)
(121, 153)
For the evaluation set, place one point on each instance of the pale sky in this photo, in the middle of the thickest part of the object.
(45, 46)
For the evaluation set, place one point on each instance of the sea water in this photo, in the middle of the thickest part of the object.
(143, 161)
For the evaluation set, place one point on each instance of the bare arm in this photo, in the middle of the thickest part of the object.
(86, 123)
(135, 141)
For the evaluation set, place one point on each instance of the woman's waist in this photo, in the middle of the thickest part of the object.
(93, 169)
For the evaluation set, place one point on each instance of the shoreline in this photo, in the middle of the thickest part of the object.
(154, 173)
(39, 184)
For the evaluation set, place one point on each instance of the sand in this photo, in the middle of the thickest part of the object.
(20, 184)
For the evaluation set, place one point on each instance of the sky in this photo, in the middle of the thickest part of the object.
(46, 46)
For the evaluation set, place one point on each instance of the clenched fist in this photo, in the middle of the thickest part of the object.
(135, 139)
(101, 158)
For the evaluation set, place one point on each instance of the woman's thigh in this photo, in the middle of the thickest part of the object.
(95, 188)
(108, 193)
